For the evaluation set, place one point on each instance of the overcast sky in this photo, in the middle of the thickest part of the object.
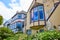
(8, 8)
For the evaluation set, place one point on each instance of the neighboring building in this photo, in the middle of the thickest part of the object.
(16, 23)
(39, 16)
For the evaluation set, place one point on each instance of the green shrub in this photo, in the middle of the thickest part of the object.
(15, 37)
(1, 19)
(47, 35)
(5, 33)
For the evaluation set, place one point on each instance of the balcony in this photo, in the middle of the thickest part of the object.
(37, 27)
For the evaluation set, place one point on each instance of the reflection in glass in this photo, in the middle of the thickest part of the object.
(37, 13)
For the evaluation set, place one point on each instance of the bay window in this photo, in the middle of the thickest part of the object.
(37, 13)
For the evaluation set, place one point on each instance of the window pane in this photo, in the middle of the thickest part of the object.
(41, 12)
(42, 30)
(35, 14)
(28, 32)
(19, 25)
(12, 26)
(35, 9)
(31, 16)
(40, 8)
(41, 15)
(35, 18)
(21, 16)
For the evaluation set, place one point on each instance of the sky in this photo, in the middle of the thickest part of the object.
(8, 8)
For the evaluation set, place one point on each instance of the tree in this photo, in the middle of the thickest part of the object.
(5, 33)
(1, 19)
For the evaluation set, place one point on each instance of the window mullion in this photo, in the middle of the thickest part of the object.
(33, 17)
(38, 18)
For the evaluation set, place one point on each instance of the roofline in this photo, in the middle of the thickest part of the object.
(36, 6)
(34, 1)
(30, 6)
(14, 15)
(53, 10)
(17, 13)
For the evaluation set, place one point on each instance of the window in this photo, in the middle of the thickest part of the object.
(37, 13)
(21, 16)
(12, 26)
(19, 26)
(41, 13)
(35, 16)
(15, 30)
(28, 32)
(8, 25)
(42, 30)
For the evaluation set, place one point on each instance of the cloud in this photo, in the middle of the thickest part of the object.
(6, 3)
(5, 12)
(25, 4)
(15, 5)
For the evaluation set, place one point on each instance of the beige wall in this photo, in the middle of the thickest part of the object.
(28, 21)
(55, 18)
(45, 1)
(48, 7)
(40, 1)
(56, 1)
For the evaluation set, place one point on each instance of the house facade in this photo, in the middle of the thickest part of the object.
(40, 16)
(16, 23)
